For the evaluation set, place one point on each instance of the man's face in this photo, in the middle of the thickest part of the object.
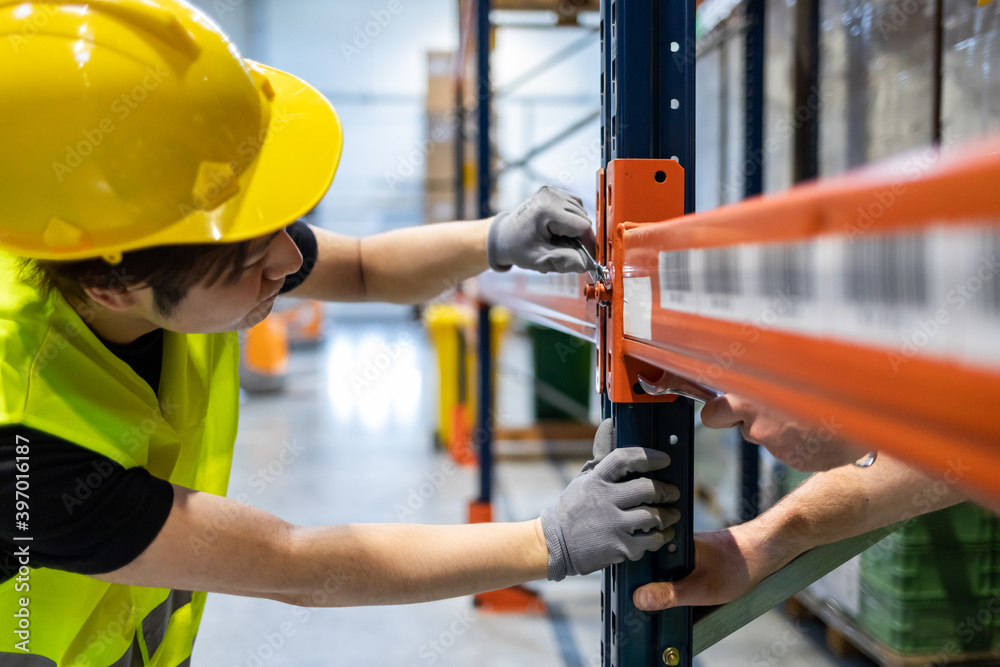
(240, 305)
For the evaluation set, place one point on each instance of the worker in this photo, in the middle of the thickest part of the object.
(152, 180)
(846, 496)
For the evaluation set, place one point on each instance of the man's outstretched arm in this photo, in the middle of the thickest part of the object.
(419, 263)
(211, 543)
(214, 544)
(828, 507)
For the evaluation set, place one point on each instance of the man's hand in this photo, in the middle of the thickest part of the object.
(803, 448)
(721, 574)
(525, 237)
(602, 518)
(828, 507)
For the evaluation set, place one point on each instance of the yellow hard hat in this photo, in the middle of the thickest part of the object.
(129, 124)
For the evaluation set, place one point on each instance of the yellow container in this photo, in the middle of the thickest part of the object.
(452, 329)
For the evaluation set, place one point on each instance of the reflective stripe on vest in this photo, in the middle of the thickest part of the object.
(132, 658)
(57, 377)
(154, 626)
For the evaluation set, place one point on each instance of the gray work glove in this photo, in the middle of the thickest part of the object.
(604, 442)
(533, 235)
(601, 519)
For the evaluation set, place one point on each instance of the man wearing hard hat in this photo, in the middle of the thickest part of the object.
(151, 181)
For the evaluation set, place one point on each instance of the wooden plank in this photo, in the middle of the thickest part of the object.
(715, 623)
(549, 430)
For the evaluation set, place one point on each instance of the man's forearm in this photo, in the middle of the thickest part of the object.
(399, 563)
(216, 544)
(828, 507)
(418, 263)
(841, 503)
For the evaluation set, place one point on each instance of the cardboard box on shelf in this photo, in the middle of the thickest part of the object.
(440, 82)
(440, 138)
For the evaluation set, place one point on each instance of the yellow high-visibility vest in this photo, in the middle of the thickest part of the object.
(56, 376)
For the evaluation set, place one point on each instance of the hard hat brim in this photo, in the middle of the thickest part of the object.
(293, 169)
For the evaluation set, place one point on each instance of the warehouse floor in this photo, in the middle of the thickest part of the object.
(357, 419)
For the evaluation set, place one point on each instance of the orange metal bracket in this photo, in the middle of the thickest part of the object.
(638, 192)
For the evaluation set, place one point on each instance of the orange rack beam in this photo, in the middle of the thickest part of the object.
(869, 302)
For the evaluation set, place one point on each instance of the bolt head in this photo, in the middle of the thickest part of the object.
(671, 656)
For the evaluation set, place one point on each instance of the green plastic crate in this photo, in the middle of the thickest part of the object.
(915, 572)
(996, 629)
(995, 593)
(964, 523)
(563, 367)
(923, 626)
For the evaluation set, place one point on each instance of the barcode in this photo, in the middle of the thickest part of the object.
(935, 291)
(785, 271)
(675, 271)
(722, 271)
(887, 271)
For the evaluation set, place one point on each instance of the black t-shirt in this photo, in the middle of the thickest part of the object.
(89, 514)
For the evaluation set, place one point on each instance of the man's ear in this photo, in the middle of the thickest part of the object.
(112, 299)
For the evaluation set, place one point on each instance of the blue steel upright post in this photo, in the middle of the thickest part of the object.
(484, 434)
(753, 174)
(647, 102)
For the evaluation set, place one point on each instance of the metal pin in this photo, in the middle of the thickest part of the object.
(671, 656)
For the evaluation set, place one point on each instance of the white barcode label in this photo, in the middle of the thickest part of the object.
(638, 307)
(676, 281)
(783, 281)
(884, 287)
(974, 296)
(719, 281)
(933, 291)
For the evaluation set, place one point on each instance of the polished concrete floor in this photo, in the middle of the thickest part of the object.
(357, 418)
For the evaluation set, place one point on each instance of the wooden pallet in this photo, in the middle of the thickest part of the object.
(845, 639)
(545, 440)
